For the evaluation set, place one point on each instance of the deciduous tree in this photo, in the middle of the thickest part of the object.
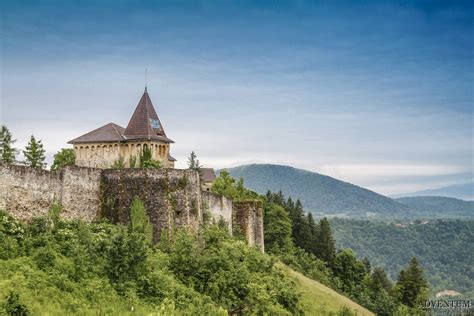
(64, 157)
(348, 270)
(277, 229)
(146, 160)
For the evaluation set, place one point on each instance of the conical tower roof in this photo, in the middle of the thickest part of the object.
(145, 123)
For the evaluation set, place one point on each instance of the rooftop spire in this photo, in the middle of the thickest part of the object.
(145, 123)
(145, 79)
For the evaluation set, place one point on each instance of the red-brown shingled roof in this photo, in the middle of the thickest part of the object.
(108, 133)
(208, 174)
(145, 123)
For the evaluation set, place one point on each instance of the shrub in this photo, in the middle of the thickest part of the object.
(13, 305)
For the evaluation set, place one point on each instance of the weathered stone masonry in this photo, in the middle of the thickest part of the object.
(28, 193)
(219, 206)
(242, 217)
(247, 216)
(172, 198)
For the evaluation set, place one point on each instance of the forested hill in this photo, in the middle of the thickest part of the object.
(444, 248)
(438, 206)
(319, 194)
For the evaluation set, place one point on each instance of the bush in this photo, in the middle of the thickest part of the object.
(63, 268)
(238, 278)
(13, 305)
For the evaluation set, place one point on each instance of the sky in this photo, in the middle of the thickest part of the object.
(379, 94)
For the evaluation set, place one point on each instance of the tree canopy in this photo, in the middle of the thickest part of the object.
(64, 157)
(7, 151)
(34, 153)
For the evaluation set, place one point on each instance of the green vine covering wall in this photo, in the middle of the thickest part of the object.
(170, 197)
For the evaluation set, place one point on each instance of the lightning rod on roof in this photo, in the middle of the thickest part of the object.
(145, 78)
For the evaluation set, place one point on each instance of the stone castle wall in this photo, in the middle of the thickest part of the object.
(247, 217)
(219, 207)
(28, 193)
(172, 198)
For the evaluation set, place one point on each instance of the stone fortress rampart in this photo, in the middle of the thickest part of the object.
(172, 198)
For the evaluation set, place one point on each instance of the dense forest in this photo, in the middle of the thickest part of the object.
(439, 207)
(444, 248)
(308, 246)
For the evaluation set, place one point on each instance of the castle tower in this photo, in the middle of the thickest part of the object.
(105, 145)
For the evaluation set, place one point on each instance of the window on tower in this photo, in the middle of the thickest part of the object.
(155, 124)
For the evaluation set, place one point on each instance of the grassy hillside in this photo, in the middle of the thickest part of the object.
(438, 206)
(319, 194)
(444, 248)
(318, 299)
(54, 267)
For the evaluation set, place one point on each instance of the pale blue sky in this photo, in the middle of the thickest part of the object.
(379, 94)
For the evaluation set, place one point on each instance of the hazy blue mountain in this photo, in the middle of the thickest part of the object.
(320, 194)
(463, 191)
(438, 206)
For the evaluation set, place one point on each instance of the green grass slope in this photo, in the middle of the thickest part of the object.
(319, 194)
(318, 299)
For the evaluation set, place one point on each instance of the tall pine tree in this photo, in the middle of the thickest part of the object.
(325, 245)
(34, 153)
(313, 231)
(193, 162)
(7, 152)
(301, 232)
(411, 287)
(379, 280)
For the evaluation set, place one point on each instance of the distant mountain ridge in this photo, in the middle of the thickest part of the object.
(437, 206)
(463, 191)
(319, 194)
(326, 196)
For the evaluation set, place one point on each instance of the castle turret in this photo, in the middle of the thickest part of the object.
(103, 146)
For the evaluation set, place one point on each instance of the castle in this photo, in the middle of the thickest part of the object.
(103, 146)
(173, 198)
